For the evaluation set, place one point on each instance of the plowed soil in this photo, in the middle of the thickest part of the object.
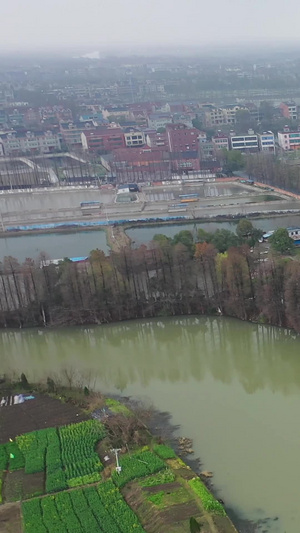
(40, 413)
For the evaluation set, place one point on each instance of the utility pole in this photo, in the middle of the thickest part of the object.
(118, 467)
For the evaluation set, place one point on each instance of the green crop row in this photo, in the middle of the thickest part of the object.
(118, 509)
(84, 480)
(16, 458)
(51, 518)
(136, 466)
(166, 476)
(55, 475)
(164, 451)
(100, 511)
(208, 501)
(33, 445)
(78, 454)
(11, 456)
(88, 510)
(67, 454)
(66, 512)
(1, 484)
(33, 517)
(3, 457)
(86, 517)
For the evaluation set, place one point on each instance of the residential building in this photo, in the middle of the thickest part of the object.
(207, 150)
(103, 139)
(131, 165)
(116, 112)
(247, 142)
(289, 140)
(95, 116)
(181, 138)
(134, 137)
(218, 116)
(266, 142)
(16, 143)
(16, 118)
(220, 141)
(71, 133)
(158, 140)
(184, 162)
(289, 110)
(202, 137)
(183, 118)
(159, 120)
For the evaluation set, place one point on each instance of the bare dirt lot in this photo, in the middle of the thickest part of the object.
(10, 518)
(40, 413)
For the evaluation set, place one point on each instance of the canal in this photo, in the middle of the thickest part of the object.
(79, 244)
(233, 387)
(145, 234)
(54, 245)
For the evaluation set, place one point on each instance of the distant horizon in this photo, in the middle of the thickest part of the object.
(137, 25)
(98, 52)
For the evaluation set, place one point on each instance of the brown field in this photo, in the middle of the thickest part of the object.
(40, 413)
(10, 518)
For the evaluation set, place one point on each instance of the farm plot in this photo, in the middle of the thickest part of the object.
(88, 510)
(136, 466)
(41, 413)
(68, 454)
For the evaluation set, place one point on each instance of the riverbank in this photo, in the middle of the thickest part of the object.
(166, 500)
(209, 376)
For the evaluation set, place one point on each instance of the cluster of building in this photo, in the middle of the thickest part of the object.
(141, 140)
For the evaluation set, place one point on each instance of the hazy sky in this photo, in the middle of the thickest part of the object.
(52, 24)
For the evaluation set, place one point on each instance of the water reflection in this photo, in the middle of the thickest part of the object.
(174, 350)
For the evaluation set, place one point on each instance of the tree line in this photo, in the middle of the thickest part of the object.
(183, 276)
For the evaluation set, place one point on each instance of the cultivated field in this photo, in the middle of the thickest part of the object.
(63, 479)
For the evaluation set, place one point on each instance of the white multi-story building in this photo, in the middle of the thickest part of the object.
(266, 142)
(157, 121)
(134, 138)
(15, 143)
(248, 142)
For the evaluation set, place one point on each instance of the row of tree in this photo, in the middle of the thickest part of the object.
(177, 277)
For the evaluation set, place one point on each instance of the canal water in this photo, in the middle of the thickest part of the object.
(59, 245)
(54, 245)
(143, 235)
(233, 387)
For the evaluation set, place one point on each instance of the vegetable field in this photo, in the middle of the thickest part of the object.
(59, 484)
(137, 465)
(67, 454)
(88, 510)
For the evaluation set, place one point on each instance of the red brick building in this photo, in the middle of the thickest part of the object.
(180, 138)
(103, 139)
(140, 164)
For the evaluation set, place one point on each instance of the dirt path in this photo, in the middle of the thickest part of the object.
(117, 238)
